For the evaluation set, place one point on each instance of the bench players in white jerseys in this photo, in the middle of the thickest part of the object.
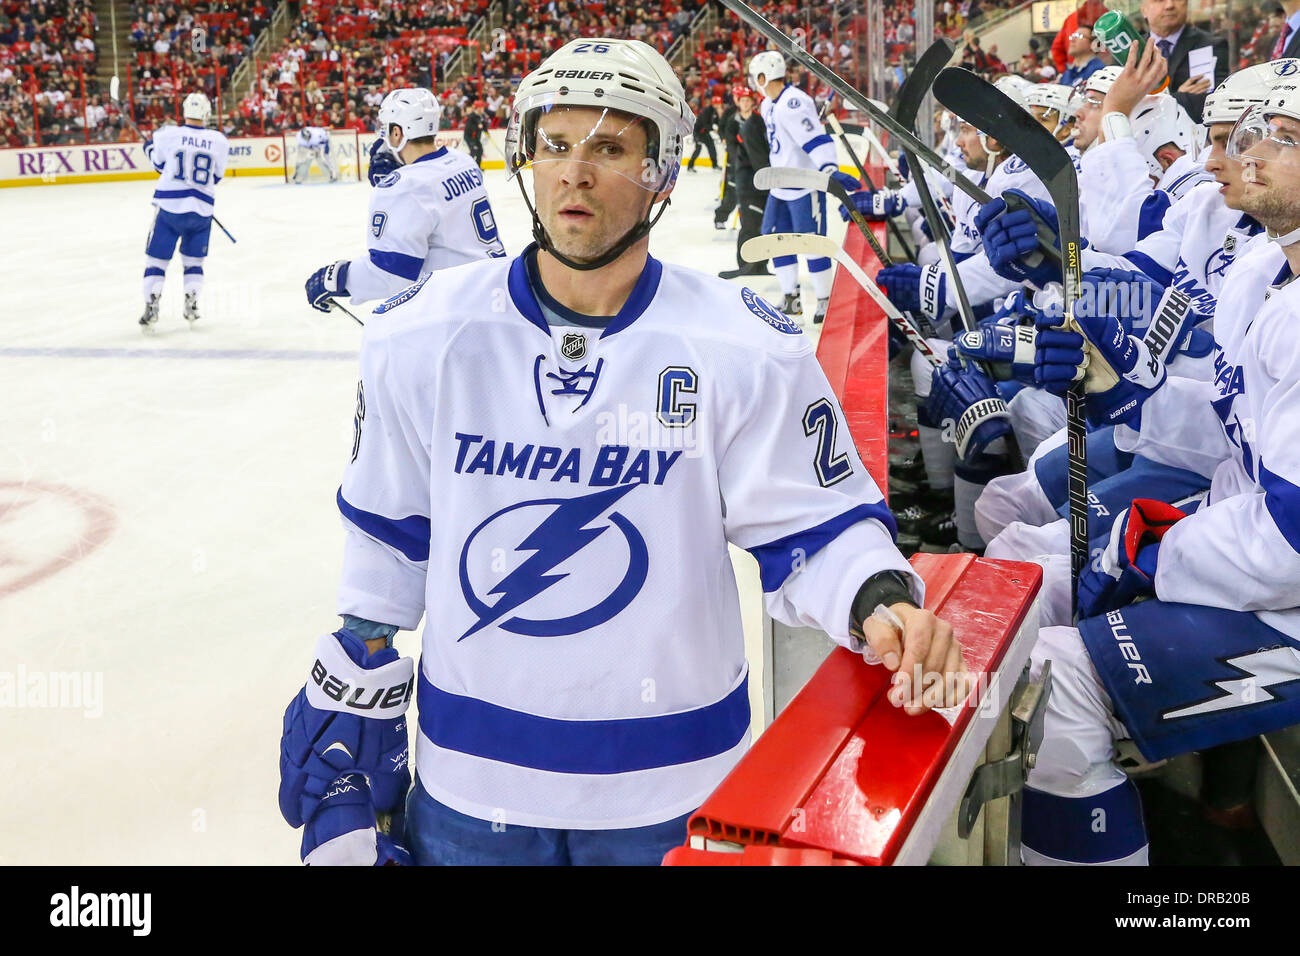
(797, 139)
(190, 160)
(430, 212)
(314, 146)
(582, 683)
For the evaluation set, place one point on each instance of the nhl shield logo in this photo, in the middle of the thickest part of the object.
(573, 346)
(1229, 245)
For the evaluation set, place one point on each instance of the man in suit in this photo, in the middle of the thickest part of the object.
(1167, 26)
(1288, 41)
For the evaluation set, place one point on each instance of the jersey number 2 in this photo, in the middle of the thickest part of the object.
(820, 420)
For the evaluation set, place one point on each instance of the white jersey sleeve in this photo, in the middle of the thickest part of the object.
(796, 137)
(384, 498)
(797, 497)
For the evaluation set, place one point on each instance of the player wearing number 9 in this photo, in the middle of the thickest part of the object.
(554, 453)
(429, 209)
(190, 161)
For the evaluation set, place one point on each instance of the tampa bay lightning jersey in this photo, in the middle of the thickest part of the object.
(795, 136)
(314, 137)
(425, 216)
(1241, 550)
(191, 161)
(556, 502)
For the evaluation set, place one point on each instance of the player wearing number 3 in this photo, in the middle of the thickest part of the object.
(191, 160)
(552, 454)
(428, 210)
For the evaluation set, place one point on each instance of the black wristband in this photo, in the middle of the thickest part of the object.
(883, 587)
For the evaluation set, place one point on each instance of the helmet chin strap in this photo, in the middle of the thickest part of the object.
(1285, 239)
(635, 234)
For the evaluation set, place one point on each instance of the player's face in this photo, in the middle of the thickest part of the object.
(968, 141)
(591, 178)
(1226, 172)
(1270, 175)
(1088, 121)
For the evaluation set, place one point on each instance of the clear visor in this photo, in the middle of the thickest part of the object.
(600, 141)
(1257, 140)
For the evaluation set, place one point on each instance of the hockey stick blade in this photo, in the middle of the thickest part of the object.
(918, 82)
(790, 177)
(852, 96)
(762, 248)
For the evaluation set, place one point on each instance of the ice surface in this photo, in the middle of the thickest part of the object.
(168, 534)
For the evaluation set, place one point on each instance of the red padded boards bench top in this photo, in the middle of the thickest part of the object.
(844, 772)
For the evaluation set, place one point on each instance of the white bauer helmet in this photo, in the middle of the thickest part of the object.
(612, 76)
(196, 107)
(414, 109)
(1102, 80)
(1159, 120)
(1016, 87)
(770, 64)
(1247, 87)
(1053, 96)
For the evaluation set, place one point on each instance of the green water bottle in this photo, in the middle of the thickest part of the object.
(1119, 37)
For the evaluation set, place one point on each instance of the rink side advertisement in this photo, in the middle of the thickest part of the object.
(111, 162)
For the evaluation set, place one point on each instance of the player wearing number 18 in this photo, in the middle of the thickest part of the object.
(428, 210)
(190, 160)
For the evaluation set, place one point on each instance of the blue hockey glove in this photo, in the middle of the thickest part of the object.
(844, 179)
(1120, 370)
(1126, 570)
(327, 283)
(914, 288)
(1009, 350)
(350, 717)
(904, 172)
(342, 830)
(967, 401)
(1015, 307)
(1010, 237)
(876, 205)
(382, 162)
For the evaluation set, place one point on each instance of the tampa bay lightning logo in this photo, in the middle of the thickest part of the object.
(389, 180)
(768, 313)
(561, 528)
(1287, 68)
(1219, 261)
(1014, 165)
(394, 301)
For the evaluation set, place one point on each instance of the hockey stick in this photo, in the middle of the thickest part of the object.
(989, 110)
(762, 248)
(346, 311)
(113, 88)
(792, 243)
(791, 177)
(908, 104)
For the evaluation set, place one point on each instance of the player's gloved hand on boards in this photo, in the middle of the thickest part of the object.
(1119, 370)
(968, 399)
(875, 205)
(1126, 570)
(914, 288)
(382, 162)
(844, 179)
(350, 717)
(327, 283)
(1010, 239)
(1008, 349)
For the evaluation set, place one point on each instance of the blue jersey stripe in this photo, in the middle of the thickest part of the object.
(409, 535)
(472, 726)
(816, 141)
(1150, 267)
(182, 194)
(1283, 502)
(777, 560)
(408, 267)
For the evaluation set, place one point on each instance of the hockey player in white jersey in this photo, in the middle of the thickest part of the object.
(1189, 630)
(190, 160)
(431, 212)
(314, 147)
(552, 454)
(796, 138)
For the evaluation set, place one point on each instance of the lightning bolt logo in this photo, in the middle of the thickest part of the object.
(1260, 670)
(559, 537)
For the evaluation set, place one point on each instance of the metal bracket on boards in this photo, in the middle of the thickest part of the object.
(1006, 777)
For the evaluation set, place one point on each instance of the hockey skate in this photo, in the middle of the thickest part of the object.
(820, 315)
(191, 308)
(150, 317)
(793, 305)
